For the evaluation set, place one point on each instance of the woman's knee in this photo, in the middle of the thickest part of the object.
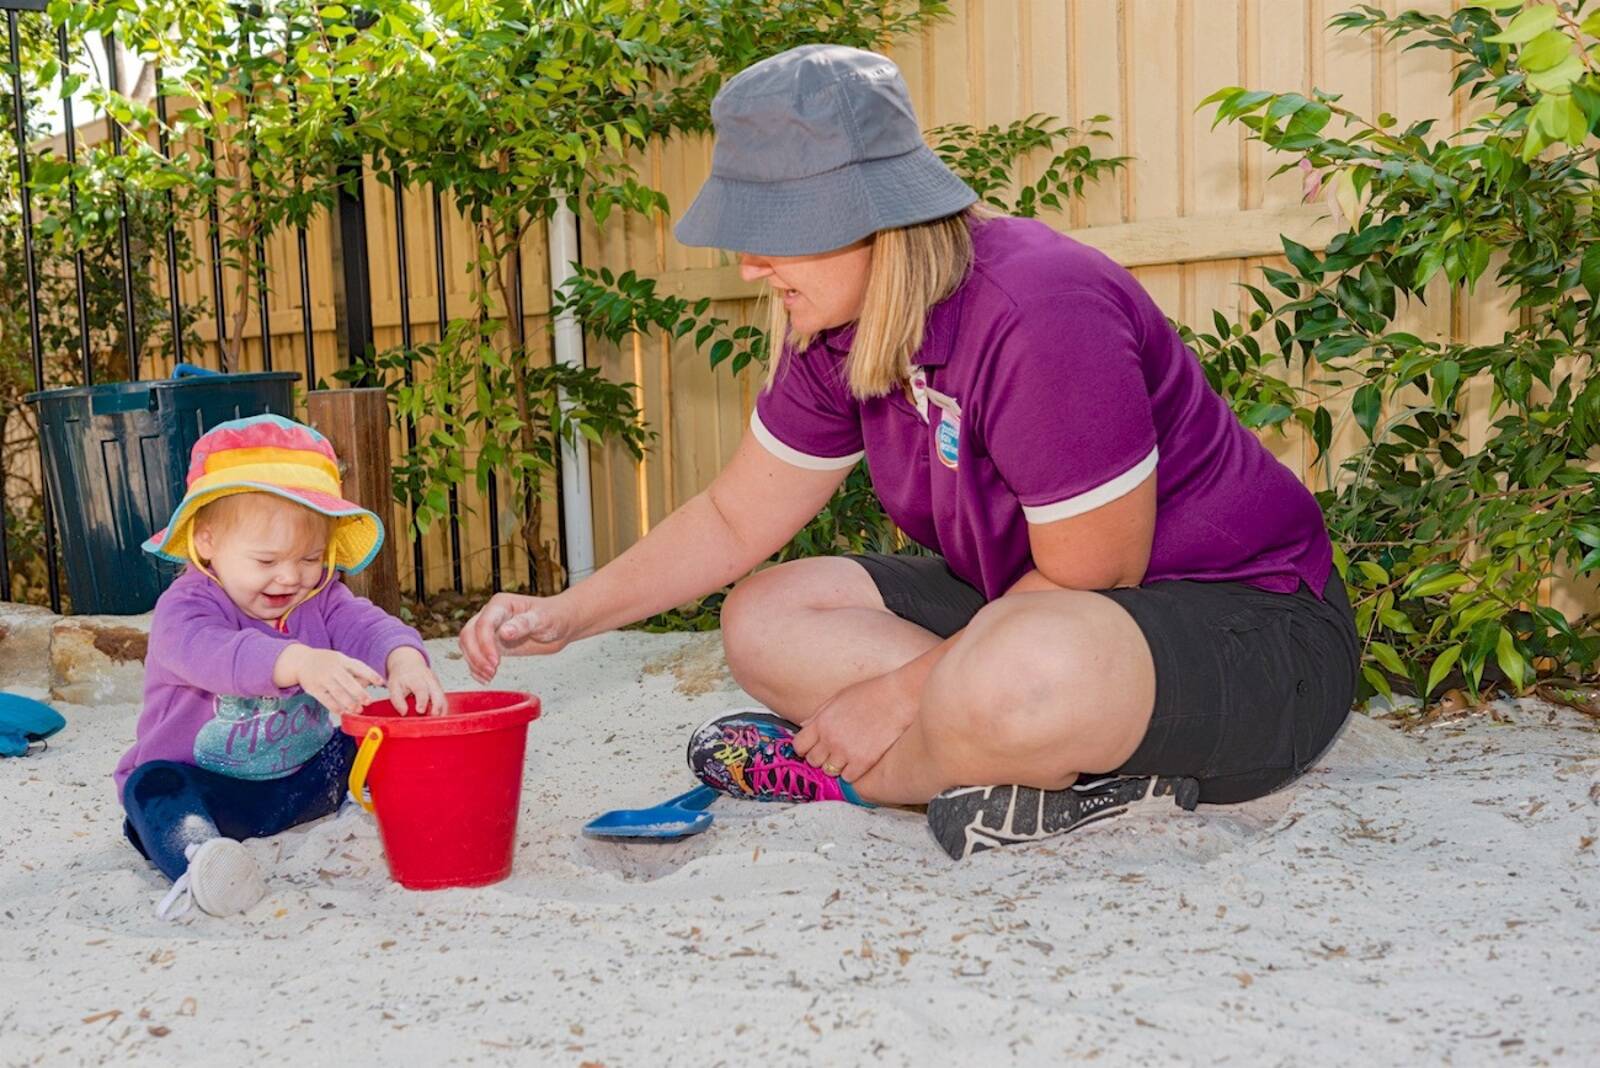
(747, 618)
(745, 603)
(763, 607)
(1010, 684)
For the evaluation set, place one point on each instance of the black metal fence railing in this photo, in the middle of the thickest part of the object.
(351, 280)
(30, 267)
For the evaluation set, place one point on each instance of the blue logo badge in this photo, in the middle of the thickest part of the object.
(948, 439)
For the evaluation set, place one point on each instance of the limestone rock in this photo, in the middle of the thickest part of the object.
(24, 645)
(98, 659)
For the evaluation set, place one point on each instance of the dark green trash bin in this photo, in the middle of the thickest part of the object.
(117, 456)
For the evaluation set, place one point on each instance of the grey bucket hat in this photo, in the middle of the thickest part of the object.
(817, 147)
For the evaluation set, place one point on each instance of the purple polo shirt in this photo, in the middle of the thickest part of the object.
(1048, 385)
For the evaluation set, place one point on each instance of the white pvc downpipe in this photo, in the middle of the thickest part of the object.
(577, 498)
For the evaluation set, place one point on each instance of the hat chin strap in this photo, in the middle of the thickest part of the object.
(281, 624)
(328, 572)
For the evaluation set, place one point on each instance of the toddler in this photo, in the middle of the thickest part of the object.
(251, 649)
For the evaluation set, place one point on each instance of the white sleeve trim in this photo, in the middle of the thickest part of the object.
(794, 456)
(1089, 500)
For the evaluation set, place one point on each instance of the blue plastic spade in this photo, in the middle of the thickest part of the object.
(678, 818)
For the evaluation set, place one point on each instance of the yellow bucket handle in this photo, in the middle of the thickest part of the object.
(358, 770)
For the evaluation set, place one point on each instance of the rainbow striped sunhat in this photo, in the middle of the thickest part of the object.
(270, 454)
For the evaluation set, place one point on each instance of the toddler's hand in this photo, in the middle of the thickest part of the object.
(410, 676)
(338, 681)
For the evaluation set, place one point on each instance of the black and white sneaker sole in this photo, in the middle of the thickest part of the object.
(970, 819)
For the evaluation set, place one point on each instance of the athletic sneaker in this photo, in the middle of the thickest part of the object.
(970, 819)
(222, 880)
(750, 754)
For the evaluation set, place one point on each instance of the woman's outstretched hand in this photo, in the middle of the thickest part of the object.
(517, 625)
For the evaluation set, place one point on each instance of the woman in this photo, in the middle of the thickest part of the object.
(1132, 599)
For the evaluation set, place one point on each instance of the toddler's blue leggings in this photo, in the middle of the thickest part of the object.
(171, 806)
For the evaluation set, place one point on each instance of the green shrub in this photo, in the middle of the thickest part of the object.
(1446, 546)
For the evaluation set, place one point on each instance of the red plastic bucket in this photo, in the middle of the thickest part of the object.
(445, 789)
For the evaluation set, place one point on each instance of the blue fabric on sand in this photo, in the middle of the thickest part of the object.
(172, 806)
(24, 720)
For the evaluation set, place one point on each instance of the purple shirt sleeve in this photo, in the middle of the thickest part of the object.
(807, 416)
(196, 640)
(360, 629)
(1068, 421)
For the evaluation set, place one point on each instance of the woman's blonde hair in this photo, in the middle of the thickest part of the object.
(913, 268)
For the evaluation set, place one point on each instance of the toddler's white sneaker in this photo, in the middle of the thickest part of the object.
(222, 880)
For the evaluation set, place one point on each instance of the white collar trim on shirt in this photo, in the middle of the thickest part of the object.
(922, 393)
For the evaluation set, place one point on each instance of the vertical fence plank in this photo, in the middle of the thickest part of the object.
(996, 29)
(1047, 82)
(19, 113)
(1100, 64)
(441, 292)
(356, 424)
(71, 134)
(219, 295)
(124, 244)
(1154, 98)
(419, 580)
(174, 290)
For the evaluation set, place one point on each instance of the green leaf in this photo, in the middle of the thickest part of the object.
(1560, 78)
(1576, 121)
(1396, 621)
(1366, 405)
(1221, 94)
(1549, 117)
(1266, 412)
(1441, 667)
(1378, 681)
(1545, 51)
(1528, 25)
(1589, 272)
(1322, 431)
(1428, 265)
(1305, 261)
(1439, 585)
(1510, 660)
(1287, 104)
(1309, 120)
(1446, 375)
(1388, 657)
(1373, 573)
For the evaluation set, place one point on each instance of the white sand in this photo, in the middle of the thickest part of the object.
(1414, 901)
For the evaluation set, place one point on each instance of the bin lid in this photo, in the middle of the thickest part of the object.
(144, 386)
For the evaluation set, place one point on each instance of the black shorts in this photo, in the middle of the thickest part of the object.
(1251, 686)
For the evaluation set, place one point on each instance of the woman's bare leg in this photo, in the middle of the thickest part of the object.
(1038, 688)
(798, 633)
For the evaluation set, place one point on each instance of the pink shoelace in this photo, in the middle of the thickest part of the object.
(771, 773)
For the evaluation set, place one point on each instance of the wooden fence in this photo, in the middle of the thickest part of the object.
(1197, 211)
